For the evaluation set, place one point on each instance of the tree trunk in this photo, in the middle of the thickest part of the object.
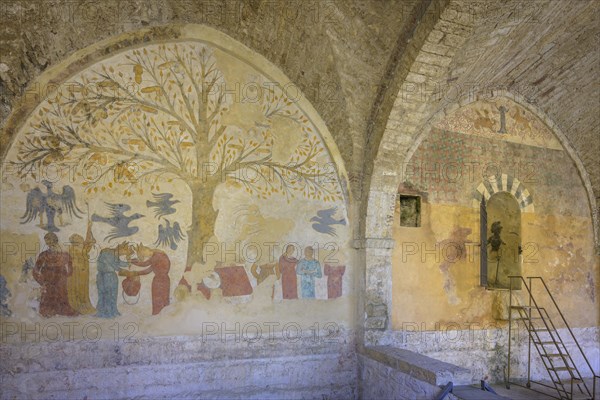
(204, 217)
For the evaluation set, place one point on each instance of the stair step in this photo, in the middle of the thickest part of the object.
(562, 369)
(575, 396)
(566, 382)
(548, 342)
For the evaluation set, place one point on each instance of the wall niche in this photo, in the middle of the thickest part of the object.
(410, 210)
(503, 240)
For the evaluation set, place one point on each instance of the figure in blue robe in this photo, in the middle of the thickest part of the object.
(107, 281)
(308, 268)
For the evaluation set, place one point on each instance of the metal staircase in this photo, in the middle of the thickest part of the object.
(563, 372)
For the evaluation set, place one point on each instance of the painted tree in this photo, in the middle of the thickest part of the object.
(158, 115)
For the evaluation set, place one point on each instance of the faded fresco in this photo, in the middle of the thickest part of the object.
(501, 117)
(538, 221)
(504, 248)
(168, 179)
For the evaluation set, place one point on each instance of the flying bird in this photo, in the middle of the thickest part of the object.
(324, 220)
(169, 235)
(118, 220)
(39, 203)
(163, 205)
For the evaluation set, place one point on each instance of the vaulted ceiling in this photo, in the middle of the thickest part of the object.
(352, 58)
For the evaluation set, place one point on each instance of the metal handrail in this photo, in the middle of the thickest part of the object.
(566, 324)
(530, 329)
(531, 298)
(594, 375)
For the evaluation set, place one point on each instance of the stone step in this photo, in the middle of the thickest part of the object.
(419, 366)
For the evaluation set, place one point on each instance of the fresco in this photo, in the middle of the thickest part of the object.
(169, 175)
(501, 118)
(503, 240)
(538, 221)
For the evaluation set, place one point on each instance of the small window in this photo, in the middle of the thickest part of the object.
(410, 210)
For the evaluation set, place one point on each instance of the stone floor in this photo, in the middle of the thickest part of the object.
(518, 392)
(522, 393)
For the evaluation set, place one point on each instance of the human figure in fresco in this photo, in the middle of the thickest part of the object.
(109, 263)
(265, 275)
(51, 270)
(334, 275)
(158, 262)
(78, 283)
(496, 242)
(286, 269)
(309, 269)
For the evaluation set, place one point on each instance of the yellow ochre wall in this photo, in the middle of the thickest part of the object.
(436, 266)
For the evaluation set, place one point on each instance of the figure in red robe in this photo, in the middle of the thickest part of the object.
(158, 262)
(51, 270)
(287, 270)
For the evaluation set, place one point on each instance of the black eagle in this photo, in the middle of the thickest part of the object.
(52, 204)
(163, 205)
(169, 235)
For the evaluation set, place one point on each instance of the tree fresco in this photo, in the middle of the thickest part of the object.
(159, 115)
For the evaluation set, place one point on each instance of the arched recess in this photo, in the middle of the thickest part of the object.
(447, 109)
(502, 240)
(501, 200)
(144, 102)
(382, 194)
(408, 123)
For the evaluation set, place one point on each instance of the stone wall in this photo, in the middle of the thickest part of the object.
(450, 171)
(376, 73)
(211, 366)
(436, 267)
(484, 352)
(391, 373)
(379, 381)
(178, 107)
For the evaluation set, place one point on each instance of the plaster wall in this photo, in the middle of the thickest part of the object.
(191, 165)
(439, 307)
(436, 266)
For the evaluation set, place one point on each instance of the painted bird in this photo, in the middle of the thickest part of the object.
(162, 204)
(169, 235)
(51, 204)
(118, 220)
(324, 220)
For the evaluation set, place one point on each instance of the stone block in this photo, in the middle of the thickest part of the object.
(377, 323)
(376, 310)
(500, 305)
